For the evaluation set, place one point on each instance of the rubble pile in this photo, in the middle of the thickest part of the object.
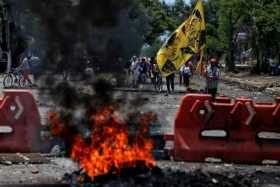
(157, 177)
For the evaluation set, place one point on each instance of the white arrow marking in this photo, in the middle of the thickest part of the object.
(209, 109)
(20, 108)
(252, 113)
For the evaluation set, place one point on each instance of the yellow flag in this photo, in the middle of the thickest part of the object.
(183, 43)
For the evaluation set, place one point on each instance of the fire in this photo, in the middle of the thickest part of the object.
(57, 128)
(111, 148)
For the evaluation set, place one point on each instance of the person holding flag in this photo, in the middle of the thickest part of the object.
(170, 83)
(187, 40)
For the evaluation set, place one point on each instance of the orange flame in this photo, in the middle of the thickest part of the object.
(110, 149)
(56, 128)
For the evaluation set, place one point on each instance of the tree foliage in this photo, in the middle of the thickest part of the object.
(265, 32)
(232, 18)
(160, 20)
(259, 20)
(163, 18)
(211, 12)
(147, 20)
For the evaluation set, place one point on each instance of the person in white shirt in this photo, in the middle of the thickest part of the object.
(187, 72)
(212, 77)
(181, 77)
(135, 69)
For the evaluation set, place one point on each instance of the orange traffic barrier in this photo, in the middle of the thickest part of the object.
(19, 122)
(239, 131)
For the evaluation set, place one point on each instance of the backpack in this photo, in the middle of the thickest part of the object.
(187, 71)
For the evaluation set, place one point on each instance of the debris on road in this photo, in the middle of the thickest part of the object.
(31, 158)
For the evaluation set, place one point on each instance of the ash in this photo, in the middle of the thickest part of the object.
(157, 177)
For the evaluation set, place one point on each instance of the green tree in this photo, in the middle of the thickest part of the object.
(265, 32)
(160, 21)
(164, 17)
(232, 18)
(180, 11)
(151, 50)
(212, 23)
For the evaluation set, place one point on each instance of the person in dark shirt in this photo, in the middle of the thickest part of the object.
(170, 83)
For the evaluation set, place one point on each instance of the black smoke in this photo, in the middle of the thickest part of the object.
(108, 32)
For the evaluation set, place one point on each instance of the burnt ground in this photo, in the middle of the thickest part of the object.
(168, 174)
(166, 108)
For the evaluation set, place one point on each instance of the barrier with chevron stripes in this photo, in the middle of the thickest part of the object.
(20, 124)
(239, 131)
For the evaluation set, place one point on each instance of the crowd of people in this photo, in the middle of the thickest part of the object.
(145, 70)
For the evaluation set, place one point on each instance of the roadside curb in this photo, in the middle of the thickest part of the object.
(252, 86)
(146, 91)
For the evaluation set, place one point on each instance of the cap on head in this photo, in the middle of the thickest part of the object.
(213, 61)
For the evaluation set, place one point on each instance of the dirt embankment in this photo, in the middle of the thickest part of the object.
(260, 83)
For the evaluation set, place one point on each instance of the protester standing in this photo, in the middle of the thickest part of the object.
(187, 72)
(25, 67)
(186, 75)
(152, 70)
(212, 77)
(156, 76)
(135, 68)
(181, 76)
(131, 70)
(170, 83)
(143, 70)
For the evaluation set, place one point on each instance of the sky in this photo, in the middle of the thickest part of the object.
(172, 1)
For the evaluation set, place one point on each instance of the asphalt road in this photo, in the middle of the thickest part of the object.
(151, 101)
